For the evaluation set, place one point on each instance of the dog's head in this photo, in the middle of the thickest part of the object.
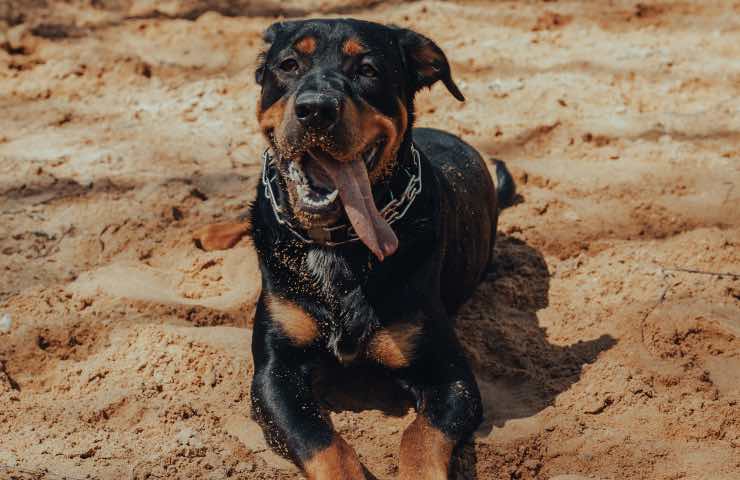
(336, 105)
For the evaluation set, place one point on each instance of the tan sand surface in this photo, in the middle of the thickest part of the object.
(603, 347)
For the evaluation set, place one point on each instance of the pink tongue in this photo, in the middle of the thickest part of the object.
(354, 188)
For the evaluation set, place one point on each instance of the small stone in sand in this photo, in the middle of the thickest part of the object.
(5, 323)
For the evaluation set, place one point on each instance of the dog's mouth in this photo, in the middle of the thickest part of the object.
(316, 192)
(321, 182)
(316, 189)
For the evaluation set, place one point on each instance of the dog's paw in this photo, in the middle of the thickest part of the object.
(338, 461)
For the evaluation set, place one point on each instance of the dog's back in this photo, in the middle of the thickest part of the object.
(469, 212)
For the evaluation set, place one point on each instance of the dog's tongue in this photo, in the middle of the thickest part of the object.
(354, 189)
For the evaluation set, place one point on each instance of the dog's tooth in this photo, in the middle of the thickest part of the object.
(296, 174)
(293, 173)
(332, 196)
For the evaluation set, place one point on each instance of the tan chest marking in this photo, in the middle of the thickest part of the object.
(395, 346)
(296, 323)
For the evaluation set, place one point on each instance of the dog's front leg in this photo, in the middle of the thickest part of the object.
(448, 409)
(291, 419)
(295, 427)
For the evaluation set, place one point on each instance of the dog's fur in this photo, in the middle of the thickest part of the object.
(343, 304)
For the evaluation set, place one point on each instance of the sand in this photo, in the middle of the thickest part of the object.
(604, 346)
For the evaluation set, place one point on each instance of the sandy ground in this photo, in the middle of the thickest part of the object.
(603, 347)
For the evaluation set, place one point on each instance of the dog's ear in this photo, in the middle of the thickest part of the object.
(269, 36)
(426, 62)
(271, 32)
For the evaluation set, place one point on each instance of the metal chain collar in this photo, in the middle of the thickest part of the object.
(393, 211)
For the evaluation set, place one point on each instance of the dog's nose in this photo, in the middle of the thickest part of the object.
(317, 110)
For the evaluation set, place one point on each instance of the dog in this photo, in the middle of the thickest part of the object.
(370, 235)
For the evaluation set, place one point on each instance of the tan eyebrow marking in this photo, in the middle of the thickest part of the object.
(353, 47)
(306, 45)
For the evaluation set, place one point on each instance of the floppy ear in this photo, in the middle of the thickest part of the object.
(271, 32)
(269, 36)
(426, 62)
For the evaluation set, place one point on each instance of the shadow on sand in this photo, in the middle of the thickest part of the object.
(519, 371)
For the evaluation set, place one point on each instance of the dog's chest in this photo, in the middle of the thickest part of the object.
(355, 332)
(327, 270)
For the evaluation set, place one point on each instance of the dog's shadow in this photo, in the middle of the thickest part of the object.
(520, 372)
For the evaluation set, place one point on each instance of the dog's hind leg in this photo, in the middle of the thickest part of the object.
(221, 236)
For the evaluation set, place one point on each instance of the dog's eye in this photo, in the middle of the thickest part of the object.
(367, 70)
(288, 65)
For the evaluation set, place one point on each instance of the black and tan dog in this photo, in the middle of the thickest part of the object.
(370, 236)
